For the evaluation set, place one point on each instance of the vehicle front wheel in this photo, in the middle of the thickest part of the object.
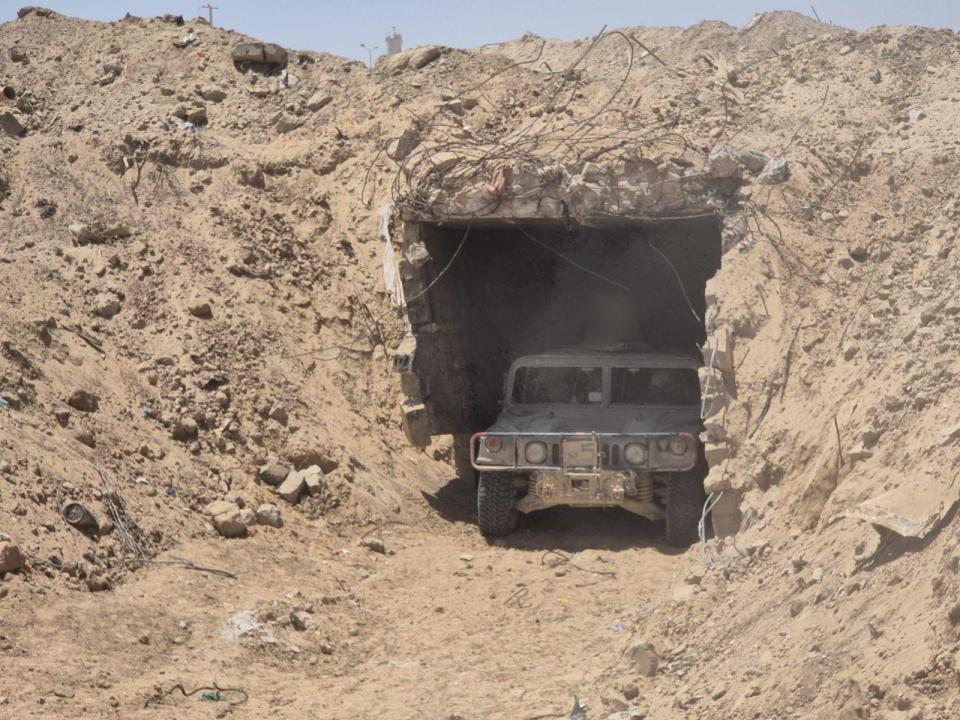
(684, 500)
(496, 504)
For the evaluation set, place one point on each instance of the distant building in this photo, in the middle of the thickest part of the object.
(394, 42)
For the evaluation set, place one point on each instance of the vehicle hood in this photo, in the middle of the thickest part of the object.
(652, 419)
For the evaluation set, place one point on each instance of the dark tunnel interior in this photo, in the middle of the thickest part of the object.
(516, 289)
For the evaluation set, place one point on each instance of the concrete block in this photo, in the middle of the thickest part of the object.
(416, 423)
(716, 453)
(717, 480)
(719, 351)
(726, 516)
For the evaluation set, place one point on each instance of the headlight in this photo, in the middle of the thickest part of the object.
(492, 444)
(678, 445)
(635, 454)
(535, 452)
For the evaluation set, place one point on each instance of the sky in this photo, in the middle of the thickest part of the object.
(341, 26)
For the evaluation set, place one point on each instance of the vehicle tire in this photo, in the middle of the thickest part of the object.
(496, 504)
(461, 459)
(684, 501)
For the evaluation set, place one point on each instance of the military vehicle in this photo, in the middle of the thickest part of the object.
(595, 428)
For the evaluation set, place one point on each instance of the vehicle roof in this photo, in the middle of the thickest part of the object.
(604, 356)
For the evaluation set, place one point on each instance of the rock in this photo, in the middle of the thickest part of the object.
(269, 514)
(11, 559)
(629, 714)
(402, 146)
(374, 545)
(313, 479)
(213, 94)
(186, 430)
(643, 656)
(954, 614)
(18, 55)
(83, 401)
(777, 170)
(259, 53)
(286, 122)
(292, 487)
(754, 160)
(286, 79)
(273, 473)
(97, 581)
(11, 126)
(301, 620)
(63, 691)
(724, 163)
(106, 305)
(201, 309)
(248, 517)
(86, 437)
(86, 234)
(220, 506)
(83, 233)
(631, 692)
(197, 115)
(421, 57)
(796, 607)
(279, 413)
(859, 250)
(228, 519)
(319, 100)
(34, 10)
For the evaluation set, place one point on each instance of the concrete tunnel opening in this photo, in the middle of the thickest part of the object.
(497, 290)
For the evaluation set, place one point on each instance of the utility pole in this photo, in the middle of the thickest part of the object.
(370, 52)
(209, 8)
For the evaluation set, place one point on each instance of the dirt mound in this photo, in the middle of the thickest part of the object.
(193, 310)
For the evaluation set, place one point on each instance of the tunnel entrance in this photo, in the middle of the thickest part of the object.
(496, 290)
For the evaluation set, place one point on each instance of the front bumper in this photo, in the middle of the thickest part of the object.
(583, 454)
(630, 490)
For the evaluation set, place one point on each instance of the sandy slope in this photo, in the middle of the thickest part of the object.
(845, 322)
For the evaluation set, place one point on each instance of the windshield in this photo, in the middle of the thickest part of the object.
(558, 385)
(654, 386)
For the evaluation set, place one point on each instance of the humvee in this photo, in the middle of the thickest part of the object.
(595, 428)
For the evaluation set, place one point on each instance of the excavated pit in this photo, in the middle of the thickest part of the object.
(499, 290)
